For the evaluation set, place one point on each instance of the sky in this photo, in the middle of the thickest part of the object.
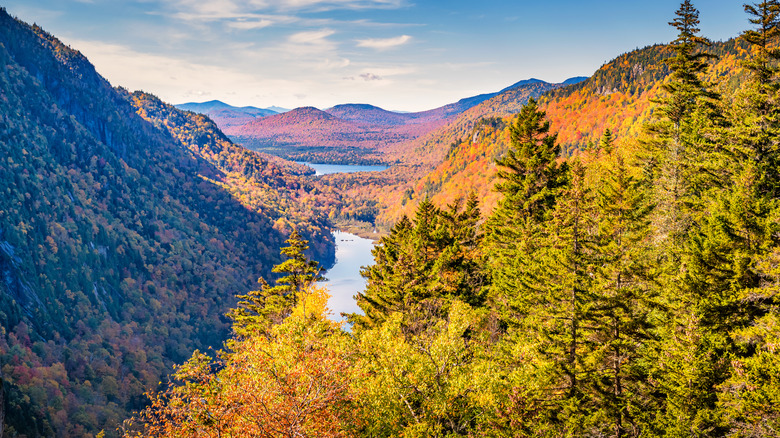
(402, 55)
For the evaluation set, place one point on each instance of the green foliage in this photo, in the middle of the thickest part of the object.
(258, 310)
(529, 180)
(434, 255)
(421, 374)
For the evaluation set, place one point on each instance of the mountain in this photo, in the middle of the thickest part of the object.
(278, 109)
(309, 134)
(127, 227)
(216, 105)
(364, 113)
(354, 133)
(618, 96)
(384, 197)
(226, 115)
(575, 80)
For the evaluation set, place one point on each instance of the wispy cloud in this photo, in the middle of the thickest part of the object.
(243, 24)
(368, 77)
(225, 9)
(326, 5)
(384, 43)
(316, 37)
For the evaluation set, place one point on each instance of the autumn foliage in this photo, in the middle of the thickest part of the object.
(289, 382)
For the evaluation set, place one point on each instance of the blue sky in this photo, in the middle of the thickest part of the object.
(398, 54)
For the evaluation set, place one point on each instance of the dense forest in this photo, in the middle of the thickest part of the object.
(127, 227)
(628, 288)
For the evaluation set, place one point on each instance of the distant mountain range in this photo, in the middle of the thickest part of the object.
(227, 115)
(354, 133)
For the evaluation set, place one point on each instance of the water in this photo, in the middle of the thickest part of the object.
(324, 169)
(344, 280)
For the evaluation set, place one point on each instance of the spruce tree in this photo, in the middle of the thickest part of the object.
(259, 309)
(607, 143)
(755, 136)
(681, 138)
(622, 315)
(550, 320)
(436, 255)
(687, 168)
(530, 178)
(749, 236)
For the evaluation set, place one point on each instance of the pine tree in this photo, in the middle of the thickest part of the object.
(687, 169)
(607, 143)
(529, 179)
(755, 136)
(436, 255)
(749, 236)
(550, 324)
(260, 309)
(624, 301)
(680, 143)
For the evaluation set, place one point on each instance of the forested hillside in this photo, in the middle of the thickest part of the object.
(618, 98)
(385, 196)
(127, 227)
(631, 289)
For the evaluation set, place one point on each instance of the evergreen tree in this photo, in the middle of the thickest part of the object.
(552, 329)
(624, 301)
(748, 247)
(681, 138)
(687, 169)
(755, 136)
(529, 179)
(437, 255)
(259, 309)
(607, 143)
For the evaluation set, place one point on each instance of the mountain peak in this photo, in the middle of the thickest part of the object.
(575, 80)
(523, 83)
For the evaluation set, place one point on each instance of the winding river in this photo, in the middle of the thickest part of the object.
(344, 280)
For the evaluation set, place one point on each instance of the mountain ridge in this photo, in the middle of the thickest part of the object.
(127, 227)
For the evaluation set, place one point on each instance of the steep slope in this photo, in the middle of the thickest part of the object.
(124, 236)
(509, 101)
(618, 96)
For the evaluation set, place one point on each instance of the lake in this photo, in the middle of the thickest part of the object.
(324, 169)
(344, 280)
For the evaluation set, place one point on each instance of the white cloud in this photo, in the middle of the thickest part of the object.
(316, 37)
(244, 24)
(384, 43)
(324, 5)
(211, 10)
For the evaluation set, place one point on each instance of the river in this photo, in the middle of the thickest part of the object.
(325, 169)
(344, 280)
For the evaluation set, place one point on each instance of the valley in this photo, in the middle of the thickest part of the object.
(594, 257)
